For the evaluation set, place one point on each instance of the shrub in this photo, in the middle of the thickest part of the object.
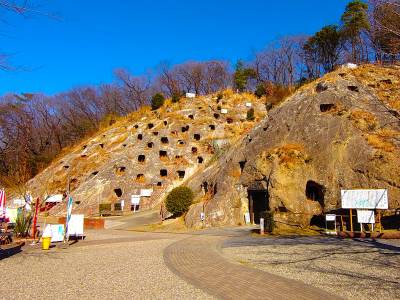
(260, 90)
(23, 224)
(269, 223)
(179, 200)
(175, 98)
(104, 208)
(157, 101)
(219, 97)
(250, 115)
(117, 206)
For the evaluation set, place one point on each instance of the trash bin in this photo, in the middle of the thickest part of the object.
(46, 240)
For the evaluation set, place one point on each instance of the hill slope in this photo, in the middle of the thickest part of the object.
(340, 132)
(148, 150)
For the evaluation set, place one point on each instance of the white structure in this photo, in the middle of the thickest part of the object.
(248, 104)
(190, 95)
(146, 192)
(75, 225)
(135, 199)
(350, 66)
(365, 199)
(54, 198)
(224, 111)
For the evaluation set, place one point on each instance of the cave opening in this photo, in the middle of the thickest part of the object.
(200, 159)
(212, 127)
(164, 140)
(326, 107)
(181, 174)
(150, 145)
(194, 150)
(258, 203)
(140, 136)
(315, 192)
(118, 192)
(163, 154)
(197, 136)
(150, 125)
(163, 172)
(141, 158)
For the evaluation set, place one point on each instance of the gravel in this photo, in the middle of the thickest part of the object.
(134, 270)
(361, 269)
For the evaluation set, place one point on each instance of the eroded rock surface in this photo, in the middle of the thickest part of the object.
(340, 132)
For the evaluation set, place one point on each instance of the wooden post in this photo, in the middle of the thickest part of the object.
(251, 209)
(351, 220)
(341, 220)
(380, 221)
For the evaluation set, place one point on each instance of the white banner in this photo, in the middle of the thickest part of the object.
(146, 192)
(330, 217)
(57, 232)
(366, 199)
(366, 216)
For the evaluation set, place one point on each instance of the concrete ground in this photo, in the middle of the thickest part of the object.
(352, 269)
(108, 264)
(225, 263)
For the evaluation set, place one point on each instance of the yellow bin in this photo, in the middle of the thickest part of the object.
(46, 243)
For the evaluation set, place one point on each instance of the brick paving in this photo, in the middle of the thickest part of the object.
(197, 259)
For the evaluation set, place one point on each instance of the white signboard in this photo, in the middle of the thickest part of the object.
(146, 192)
(135, 199)
(365, 199)
(366, 216)
(75, 225)
(202, 216)
(224, 111)
(330, 217)
(248, 104)
(190, 95)
(56, 231)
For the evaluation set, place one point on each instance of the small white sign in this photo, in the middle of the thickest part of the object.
(146, 192)
(202, 216)
(330, 217)
(75, 225)
(55, 231)
(190, 95)
(55, 198)
(224, 111)
(248, 104)
(366, 216)
(247, 218)
(135, 199)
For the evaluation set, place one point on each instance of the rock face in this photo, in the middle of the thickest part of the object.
(340, 132)
(146, 151)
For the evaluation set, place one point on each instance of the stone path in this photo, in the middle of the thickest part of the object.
(197, 260)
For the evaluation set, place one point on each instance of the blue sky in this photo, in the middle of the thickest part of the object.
(95, 37)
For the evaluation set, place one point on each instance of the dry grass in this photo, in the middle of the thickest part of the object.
(235, 173)
(363, 120)
(380, 143)
(289, 155)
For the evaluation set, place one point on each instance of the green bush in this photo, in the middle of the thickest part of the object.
(175, 98)
(179, 200)
(250, 115)
(269, 223)
(104, 207)
(260, 90)
(23, 224)
(117, 206)
(157, 101)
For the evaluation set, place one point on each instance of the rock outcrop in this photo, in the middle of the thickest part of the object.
(340, 132)
(150, 151)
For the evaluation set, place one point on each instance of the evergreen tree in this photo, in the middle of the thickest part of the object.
(355, 22)
(242, 75)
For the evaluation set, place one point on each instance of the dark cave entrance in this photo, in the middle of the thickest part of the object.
(258, 203)
(315, 192)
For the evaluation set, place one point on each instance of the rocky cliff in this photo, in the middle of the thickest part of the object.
(147, 152)
(339, 132)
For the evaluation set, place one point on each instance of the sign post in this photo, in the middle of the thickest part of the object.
(262, 226)
(35, 219)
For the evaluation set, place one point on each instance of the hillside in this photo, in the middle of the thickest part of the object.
(339, 132)
(151, 151)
